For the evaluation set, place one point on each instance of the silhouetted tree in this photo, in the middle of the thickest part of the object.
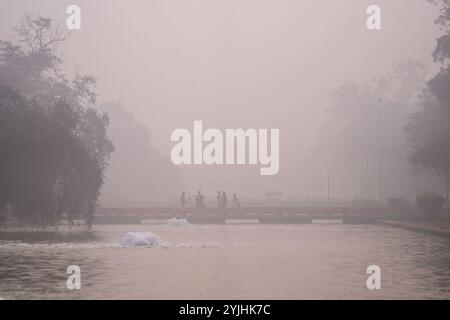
(53, 144)
(429, 128)
(138, 174)
(348, 146)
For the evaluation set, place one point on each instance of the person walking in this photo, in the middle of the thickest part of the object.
(183, 200)
(236, 201)
(198, 200)
(224, 199)
(219, 199)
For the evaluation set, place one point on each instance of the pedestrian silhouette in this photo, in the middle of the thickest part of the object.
(236, 201)
(199, 200)
(183, 200)
(224, 199)
(219, 199)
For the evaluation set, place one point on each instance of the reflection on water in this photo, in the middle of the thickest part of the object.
(49, 236)
(226, 261)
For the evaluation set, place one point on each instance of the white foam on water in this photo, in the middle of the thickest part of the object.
(142, 239)
(62, 245)
(327, 221)
(146, 239)
(174, 222)
(122, 244)
(153, 221)
(187, 245)
(242, 221)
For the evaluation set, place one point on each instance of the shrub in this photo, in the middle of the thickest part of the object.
(430, 203)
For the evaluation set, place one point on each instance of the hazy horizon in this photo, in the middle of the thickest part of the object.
(225, 149)
(236, 64)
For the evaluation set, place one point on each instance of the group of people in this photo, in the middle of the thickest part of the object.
(199, 200)
(222, 200)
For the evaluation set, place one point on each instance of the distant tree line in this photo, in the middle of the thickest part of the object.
(138, 174)
(429, 128)
(364, 119)
(53, 143)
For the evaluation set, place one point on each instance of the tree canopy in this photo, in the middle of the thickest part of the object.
(429, 128)
(53, 143)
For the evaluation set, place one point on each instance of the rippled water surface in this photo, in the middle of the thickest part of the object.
(226, 261)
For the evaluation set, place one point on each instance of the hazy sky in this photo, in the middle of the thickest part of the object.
(234, 63)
